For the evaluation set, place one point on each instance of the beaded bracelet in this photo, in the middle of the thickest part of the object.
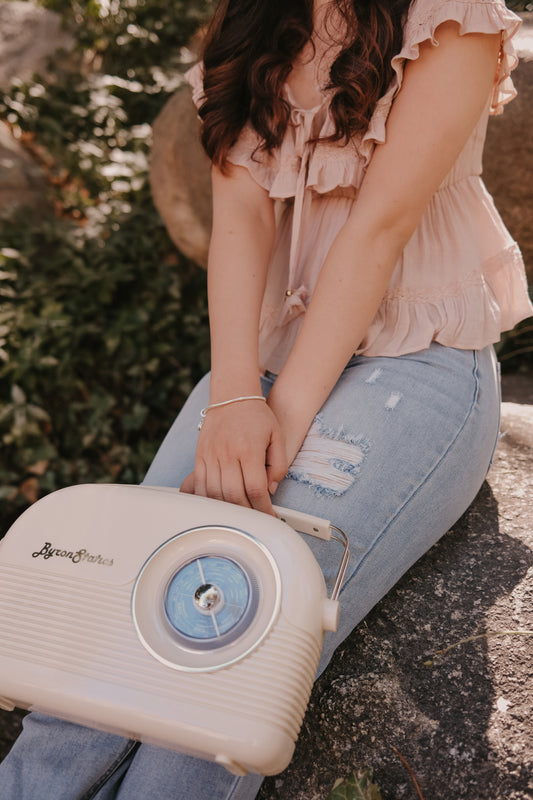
(204, 411)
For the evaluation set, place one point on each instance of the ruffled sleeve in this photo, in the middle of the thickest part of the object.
(473, 16)
(246, 151)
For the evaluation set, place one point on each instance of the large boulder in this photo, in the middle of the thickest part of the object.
(22, 183)
(180, 177)
(461, 718)
(508, 154)
(29, 36)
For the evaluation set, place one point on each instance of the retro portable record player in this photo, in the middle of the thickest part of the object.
(173, 619)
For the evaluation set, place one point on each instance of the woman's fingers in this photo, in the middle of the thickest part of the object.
(240, 453)
(213, 481)
(188, 484)
(244, 482)
(200, 477)
(232, 480)
(256, 485)
(276, 461)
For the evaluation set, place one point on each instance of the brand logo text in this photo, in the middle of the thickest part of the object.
(77, 556)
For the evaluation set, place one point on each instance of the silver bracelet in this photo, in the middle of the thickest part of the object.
(204, 411)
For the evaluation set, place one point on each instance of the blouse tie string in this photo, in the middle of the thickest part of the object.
(297, 294)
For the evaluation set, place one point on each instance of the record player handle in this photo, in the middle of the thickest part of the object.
(305, 523)
(6, 705)
(316, 526)
(341, 537)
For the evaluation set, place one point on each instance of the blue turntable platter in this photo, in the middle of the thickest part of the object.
(207, 597)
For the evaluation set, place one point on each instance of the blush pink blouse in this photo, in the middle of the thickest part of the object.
(460, 280)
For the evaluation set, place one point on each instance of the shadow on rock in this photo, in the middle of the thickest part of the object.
(379, 693)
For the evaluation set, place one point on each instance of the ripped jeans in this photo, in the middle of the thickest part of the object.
(395, 456)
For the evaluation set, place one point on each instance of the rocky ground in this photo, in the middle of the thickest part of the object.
(462, 720)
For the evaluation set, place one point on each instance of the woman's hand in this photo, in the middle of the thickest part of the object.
(240, 456)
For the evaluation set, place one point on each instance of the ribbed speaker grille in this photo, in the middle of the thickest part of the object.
(86, 629)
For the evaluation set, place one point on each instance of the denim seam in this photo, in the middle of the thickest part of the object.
(415, 491)
(498, 371)
(130, 748)
(234, 788)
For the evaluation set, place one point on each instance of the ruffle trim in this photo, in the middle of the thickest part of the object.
(473, 16)
(264, 168)
(245, 153)
(408, 320)
(330, 167)
(327, 166)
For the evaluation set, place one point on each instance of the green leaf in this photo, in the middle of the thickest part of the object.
(356, 787)
(18, 395)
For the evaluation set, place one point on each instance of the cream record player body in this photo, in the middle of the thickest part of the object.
(186, 622)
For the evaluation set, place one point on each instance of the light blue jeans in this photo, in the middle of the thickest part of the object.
(403, 446)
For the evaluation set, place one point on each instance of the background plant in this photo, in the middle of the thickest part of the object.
(103, 326)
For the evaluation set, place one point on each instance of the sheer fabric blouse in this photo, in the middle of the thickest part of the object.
(460, 280)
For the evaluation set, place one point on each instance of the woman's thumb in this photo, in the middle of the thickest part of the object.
(276, 462)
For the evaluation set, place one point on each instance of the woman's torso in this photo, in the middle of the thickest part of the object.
(460, 280)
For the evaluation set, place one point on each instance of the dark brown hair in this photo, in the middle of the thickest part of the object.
(248, 51)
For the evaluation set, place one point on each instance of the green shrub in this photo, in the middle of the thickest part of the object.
(103, 326)
(102, 338)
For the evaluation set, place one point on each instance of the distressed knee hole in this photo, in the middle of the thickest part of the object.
(329, 460)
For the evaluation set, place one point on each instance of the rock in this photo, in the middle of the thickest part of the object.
(508, 154)
(22, 183)
(517, 425)
(29, 36)
(517, 388)
(461, 719)
(180, 177)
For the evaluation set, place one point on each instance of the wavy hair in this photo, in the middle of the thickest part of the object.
(249, 49)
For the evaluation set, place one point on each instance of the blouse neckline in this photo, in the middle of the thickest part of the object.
(326, 95)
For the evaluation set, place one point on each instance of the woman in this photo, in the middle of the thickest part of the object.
(358, 276)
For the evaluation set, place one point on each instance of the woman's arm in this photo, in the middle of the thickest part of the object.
(237, 441)
(443, 95)
(239, 253)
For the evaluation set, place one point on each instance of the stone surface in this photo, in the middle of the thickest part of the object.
(180, 177)
(29, 36)
(22, 183)
(508, 154)
(461, 719)
(517, 388)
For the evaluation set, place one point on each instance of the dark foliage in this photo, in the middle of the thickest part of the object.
(103, 326)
